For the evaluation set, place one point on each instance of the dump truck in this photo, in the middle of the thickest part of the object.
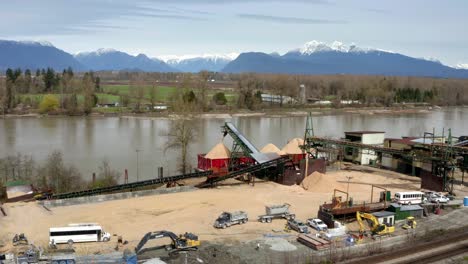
(276, 211)
(227, 219)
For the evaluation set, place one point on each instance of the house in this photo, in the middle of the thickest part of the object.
(385, 217)
(403, 211)
(364, 156)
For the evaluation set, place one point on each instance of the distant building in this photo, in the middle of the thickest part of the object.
(364, 156)
(277, 99)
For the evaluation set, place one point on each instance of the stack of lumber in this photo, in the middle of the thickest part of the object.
(313, 242)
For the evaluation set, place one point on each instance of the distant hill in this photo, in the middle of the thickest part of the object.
(112, 60)
(319, 58)
(35, 55)
(199, 63)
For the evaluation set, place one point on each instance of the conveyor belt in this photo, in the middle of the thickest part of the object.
(253, 168)
(129, 186)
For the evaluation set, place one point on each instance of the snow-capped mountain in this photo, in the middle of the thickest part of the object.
(196, 63)
(110, 59)
(35, 55)
(317, 57)
(315, 46)
(462, 66)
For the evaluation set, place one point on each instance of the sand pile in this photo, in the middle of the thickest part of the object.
(293, 146)
(318, 182)
(271, 148)
(220, 151)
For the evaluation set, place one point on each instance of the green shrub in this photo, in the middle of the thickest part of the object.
(48, 103)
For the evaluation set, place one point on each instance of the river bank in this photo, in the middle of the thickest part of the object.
(274, 112)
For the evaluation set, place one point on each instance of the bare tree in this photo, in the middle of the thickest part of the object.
(180, 135)
(106, 177)
(152, 95)
(137, 90)
(202, 86)
(88, 89)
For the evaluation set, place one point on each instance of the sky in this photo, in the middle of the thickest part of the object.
(419, 28)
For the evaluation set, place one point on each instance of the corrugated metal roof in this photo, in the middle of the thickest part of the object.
(383, 214)
(16, 183)
(411, 208)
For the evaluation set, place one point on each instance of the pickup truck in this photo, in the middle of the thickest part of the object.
(227, 219)
(298, 226)
(317, 224)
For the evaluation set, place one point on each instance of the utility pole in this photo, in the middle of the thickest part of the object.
(138, 165)
(349, 177)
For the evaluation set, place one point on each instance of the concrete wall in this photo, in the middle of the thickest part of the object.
(371, 139)
(114, 196)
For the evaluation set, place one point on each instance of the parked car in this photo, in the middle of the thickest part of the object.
(298, 226)
(317, 224)
(438, 198)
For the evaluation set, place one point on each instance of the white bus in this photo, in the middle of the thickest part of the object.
(74, 233)
(409, 197)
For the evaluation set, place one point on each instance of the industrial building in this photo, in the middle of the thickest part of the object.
(365, 156)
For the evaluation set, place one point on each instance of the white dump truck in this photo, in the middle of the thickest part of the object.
(276, 211)
(227, 219)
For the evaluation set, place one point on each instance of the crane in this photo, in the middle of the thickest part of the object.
(185, 242)
(376, 227)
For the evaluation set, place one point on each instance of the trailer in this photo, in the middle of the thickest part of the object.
(276, 211)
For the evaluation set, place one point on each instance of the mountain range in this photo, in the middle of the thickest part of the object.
(313, 58)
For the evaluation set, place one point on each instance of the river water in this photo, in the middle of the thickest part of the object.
(85, 142)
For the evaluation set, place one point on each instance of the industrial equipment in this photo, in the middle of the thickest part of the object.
(227, 219)
(20, 239)
(185, 242)
(376, 227)
(276, 211)
(410, 223)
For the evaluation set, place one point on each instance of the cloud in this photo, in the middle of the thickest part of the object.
(166, 16)
(290, 20)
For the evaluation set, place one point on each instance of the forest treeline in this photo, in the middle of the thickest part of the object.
(76, 93)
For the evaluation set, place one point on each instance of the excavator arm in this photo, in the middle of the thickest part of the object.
(155, 235)
(184, 242)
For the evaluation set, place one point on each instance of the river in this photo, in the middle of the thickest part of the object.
(85, 142)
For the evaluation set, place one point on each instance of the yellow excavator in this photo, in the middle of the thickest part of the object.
(410, 223)
(375, 227)
(185, 242)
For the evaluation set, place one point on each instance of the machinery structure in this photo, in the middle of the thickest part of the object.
(185, 242)
(442, 158)
(375, 227)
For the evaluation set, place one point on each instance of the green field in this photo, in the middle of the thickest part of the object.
(163, 93)
(102, 97)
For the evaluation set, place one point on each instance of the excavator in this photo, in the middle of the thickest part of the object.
(185, 242)
(376, 227)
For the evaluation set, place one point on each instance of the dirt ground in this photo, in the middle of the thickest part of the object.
(192, 211)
